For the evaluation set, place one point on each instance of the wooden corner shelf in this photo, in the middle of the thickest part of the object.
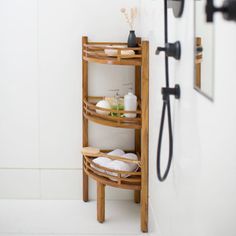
(119, 121)
(118, 53)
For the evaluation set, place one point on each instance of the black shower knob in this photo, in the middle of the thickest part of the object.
(171, 49)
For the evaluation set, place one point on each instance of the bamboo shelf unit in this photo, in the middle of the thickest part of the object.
(94, 52)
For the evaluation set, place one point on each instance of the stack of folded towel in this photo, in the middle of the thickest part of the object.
(115, 164)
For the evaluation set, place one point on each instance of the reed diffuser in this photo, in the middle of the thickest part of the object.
(130, 16)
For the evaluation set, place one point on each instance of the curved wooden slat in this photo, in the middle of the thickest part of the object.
(112, 61)
(111, 170)
(112, 123)
(94, 107)
(116, 177)
(112, 183)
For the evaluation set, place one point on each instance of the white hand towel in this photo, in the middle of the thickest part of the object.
(102, 161)
(123, 166)
(131, 156)
(105, 162)
(120, 166)
(116, 152)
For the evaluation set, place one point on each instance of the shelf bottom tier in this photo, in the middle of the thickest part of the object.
(114, 178)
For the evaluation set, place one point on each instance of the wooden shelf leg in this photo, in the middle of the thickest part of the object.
(144, 138)
(100, 202)
(85, 187)
(137, 132)
(85, 122)
(137, 196)
(144, 211)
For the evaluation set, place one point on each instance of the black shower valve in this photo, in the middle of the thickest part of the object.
(228, 9)
(171, 50)
(166, 92)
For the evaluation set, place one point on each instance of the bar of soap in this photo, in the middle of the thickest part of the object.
(113, 52)
(127, 52)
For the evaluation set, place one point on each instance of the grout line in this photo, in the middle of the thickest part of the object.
(39, 91)
(36, 168)
(74, 234)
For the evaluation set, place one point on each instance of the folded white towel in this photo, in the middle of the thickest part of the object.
(115, 164)
(123, 166)
(120, 166)
(102, 161)
(105, 162)
(131, 156)
(116, 152)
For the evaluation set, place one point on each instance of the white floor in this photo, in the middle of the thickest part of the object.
(67, 218)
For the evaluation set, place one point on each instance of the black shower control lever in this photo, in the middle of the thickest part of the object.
(171, 49)
(228, 9)
(166, 92)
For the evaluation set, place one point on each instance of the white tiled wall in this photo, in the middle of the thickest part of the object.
(40, 93)
(198, 198)
(19, 113)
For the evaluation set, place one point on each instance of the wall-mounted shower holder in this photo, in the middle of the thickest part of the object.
(171, 49)
(166, 92)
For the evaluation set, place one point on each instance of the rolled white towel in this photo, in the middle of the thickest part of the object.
(105, 162)
(116, 152)
(123, 166)
(102, 161)
(131, 156)
(120, 166)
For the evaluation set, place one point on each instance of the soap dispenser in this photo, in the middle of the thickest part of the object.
(130, 104)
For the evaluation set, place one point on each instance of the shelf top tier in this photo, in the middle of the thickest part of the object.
(112, 53)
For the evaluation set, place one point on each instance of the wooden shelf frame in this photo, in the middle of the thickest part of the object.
(90, 112)
(137, 181)
(94, 52)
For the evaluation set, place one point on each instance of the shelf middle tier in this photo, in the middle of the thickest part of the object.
(91, 112)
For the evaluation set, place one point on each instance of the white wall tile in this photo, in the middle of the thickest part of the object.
(203, 171)
(18, 84)
(40, 88)
(60, 83)
(19, 184)
(61, 26)
(67, 184)
(61, 184)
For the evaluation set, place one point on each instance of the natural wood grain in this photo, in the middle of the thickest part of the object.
(114, 177)
(113, 61)
(101, 179)
(111, 123)
(137, 196)
(100, 202)
(198, 65)
(137, 131)
(112, 157)
(144, 136)
(85, 121)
